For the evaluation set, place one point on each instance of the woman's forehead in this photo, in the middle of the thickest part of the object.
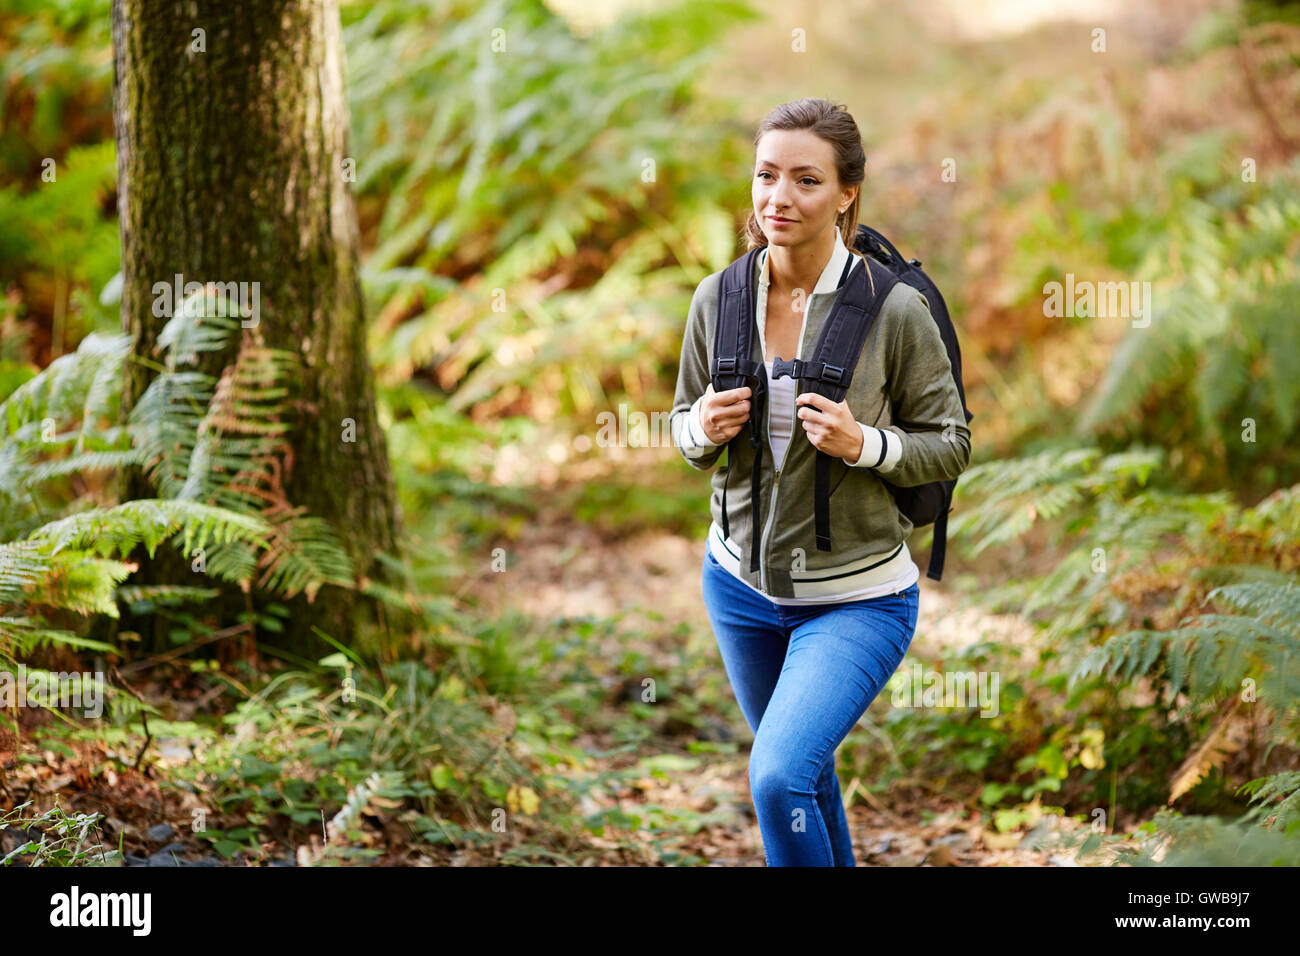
(793, 147)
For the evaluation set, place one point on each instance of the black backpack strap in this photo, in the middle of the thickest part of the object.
(822, 466)
(939, 546)
(734, 367)
(874, 244)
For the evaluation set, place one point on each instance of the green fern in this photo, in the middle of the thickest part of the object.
(168, 419)
(59, 423)
(1102, 515)
(1222, 339)
(515, 174)
(150, 521)
(1013, 495)
(307, 555)
(214, 447)
(1171, 839)
(20, 636)
(70, 563)
(1277, 798)
(1217, 651)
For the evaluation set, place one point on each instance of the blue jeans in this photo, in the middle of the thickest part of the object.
(803, 676)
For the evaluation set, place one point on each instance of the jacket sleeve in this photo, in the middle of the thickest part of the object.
(693, 378)
(927, 410)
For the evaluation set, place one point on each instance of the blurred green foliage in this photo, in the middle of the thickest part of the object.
(536, 208)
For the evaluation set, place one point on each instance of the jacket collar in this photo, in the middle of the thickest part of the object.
(830, 277)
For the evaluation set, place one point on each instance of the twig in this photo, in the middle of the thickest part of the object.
(144, 716)
(856, 787)
(231, 631)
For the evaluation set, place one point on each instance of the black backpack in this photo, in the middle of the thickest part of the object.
(830, 372)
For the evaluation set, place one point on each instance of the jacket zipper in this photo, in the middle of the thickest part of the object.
(771, 511)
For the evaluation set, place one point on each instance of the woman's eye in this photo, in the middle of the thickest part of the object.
(806, 180)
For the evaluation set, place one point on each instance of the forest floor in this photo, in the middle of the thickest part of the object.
(650, 582)
(675, 792)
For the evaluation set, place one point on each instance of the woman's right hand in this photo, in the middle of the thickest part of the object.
(723, 414)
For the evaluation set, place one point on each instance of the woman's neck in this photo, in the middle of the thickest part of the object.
(799, 267)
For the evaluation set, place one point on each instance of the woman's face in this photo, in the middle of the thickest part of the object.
(795, 180)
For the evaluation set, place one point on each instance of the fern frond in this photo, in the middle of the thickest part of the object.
(305, 555)
(1222, 335)
(201, 323)
(99, 407)
(234, 561)
(83, 584)
(1215, 652)
(237, 458)
(164, 424)
(1012, 495)
(117, 530)
(20, 636)
(165, 595)
(61, 391)
(83, 463)
(1228, 736)
(1211, 841)
(22, 564)
(1280, 788)
(1277, 606)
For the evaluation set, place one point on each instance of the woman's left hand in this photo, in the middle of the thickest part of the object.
(830, 426)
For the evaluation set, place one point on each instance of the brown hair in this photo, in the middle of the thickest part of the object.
(833, 123)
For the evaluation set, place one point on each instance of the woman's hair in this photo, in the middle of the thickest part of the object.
(833, 123)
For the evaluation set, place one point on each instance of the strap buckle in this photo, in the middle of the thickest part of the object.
(786, 367)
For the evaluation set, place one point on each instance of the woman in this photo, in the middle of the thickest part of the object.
(808, 637)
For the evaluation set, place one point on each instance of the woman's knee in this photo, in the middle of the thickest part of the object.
(779, 770)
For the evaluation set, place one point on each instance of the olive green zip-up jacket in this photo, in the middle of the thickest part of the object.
(902, 386)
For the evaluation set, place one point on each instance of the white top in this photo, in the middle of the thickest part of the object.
(781, 425)
(780, 401)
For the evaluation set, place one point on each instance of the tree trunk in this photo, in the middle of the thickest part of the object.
(231, 169)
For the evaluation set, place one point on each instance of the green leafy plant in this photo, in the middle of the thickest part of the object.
(64, 839)
(1219, 361)
(211, 445)
(1158, 559)
(495, 175)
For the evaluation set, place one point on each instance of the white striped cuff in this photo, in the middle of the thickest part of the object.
(881, 450)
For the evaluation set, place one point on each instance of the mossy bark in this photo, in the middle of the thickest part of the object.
(232, 144)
